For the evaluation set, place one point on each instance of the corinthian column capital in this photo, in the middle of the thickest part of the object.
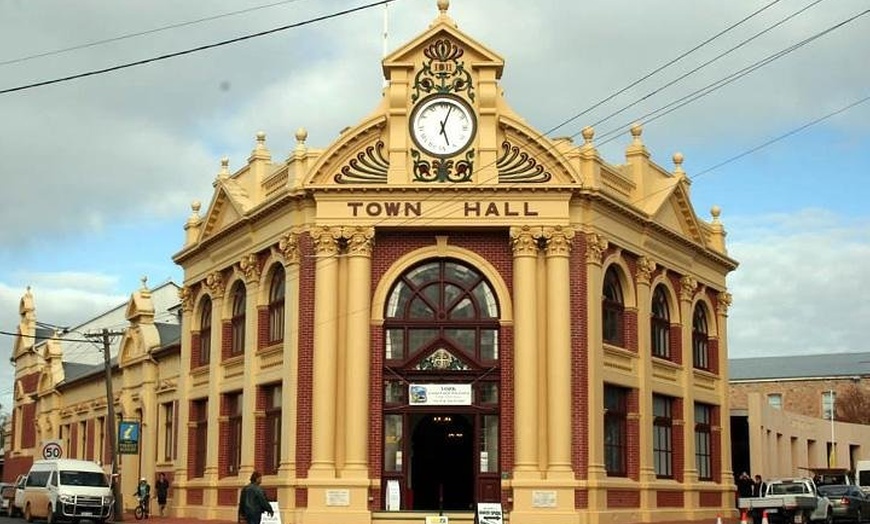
(559, 240)
(645, 268)
(360, 240)
(288, 248)
(688, 284)
(524, 241)
(215, 284)
(249, 265)
(596, 245)
(326, 240)
(723, 303)
(185, 296)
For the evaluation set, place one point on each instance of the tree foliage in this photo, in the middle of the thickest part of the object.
(853, 405)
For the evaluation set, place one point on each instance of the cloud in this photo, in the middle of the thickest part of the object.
(798, 288)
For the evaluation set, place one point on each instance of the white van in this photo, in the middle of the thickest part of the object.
(67, 490)
(862, 475)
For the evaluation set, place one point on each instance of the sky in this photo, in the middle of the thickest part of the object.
(98, 173)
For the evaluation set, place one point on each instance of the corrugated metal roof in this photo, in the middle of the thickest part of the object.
(799, 366)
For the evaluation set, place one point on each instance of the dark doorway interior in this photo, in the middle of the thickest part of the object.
(442, 465)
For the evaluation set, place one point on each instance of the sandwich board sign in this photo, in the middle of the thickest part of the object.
(489, 513)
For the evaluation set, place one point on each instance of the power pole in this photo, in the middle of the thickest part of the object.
(112, 423)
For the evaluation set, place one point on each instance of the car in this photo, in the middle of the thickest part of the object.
(848, 502)
(7, 497)
(16, 505)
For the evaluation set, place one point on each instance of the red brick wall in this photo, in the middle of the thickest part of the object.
(669, 499)
(508, 402)
(15, 466)
(226, 342)
(301, 497)
(709, 499)
(581, 499)
(262, 326)
(579, 362)
(28, 426)
(623, 498)
(305, 358)
(713, 348)
(716, 447)
(228, 496)
(195, 349)
(675, 337)
(260, 430)
(194, 497)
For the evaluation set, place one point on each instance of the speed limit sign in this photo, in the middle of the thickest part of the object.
(52, 450)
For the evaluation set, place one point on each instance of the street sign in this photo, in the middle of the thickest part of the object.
(52, 449)
(128, 438)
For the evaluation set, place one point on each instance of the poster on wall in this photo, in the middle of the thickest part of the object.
(439, 394)
(128, 437)
(393, 502)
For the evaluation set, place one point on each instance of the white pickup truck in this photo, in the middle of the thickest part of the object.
(789, 501)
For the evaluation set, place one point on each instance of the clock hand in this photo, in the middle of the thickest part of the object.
(444, 123)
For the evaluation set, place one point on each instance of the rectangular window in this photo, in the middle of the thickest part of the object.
(829, 401)
(774, 400)
(199, 415)
(615, 430)
(169, 431)
(393, 443)
(234, 438)
(489, 444)
(704, 441)
(273, 428)
(83, 440)
(663, 442)
(100, 437)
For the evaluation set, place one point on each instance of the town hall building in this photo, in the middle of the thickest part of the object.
(443, 308)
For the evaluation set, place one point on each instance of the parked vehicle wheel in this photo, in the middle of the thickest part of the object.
(28, 515)
(49, 516)
(859, 518)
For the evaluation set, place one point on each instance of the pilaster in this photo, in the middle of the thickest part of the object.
(249, 265)
(722, 304)
(596, 245)
(217, 287)
(688, 287)
(645, 268)
(288, 250)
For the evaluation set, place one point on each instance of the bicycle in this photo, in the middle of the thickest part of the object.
(141, 511)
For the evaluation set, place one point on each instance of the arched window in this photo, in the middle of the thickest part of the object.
(205, 331)
(660, 324)
(613, 308)
(700, 338)
(442, 300)
(276, 306)
(237, 346)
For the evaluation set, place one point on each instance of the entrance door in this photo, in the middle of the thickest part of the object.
(442, 462)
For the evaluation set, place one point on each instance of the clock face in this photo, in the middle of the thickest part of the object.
(442, 125)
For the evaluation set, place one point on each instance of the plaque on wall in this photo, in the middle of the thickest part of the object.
(543, 499)
(338, 497)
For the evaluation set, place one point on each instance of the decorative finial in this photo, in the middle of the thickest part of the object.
(225, 168)
(678, 164)
(301, 135)
(195, 207)
(636, 131)
(715, 211)
(261, 139)
(144, 281)
(588, 134)
(443, 6)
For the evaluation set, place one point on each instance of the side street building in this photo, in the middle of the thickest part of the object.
(441, 308)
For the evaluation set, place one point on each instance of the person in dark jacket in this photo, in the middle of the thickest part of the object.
(744, 485)
(758, 487)
(253, 502)
(162, 488)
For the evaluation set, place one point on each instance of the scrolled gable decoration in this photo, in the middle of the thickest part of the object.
(250, 266)
(518, 166)
(688, 284)
(368, 167)
(215, 284)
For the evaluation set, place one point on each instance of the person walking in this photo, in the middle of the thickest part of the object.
(252, 501)
(162, 487)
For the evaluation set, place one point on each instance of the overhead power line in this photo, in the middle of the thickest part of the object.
(194, 49)
(722, 82)
(61, 339)
(141, 33)
(662, 67)
(783, 136)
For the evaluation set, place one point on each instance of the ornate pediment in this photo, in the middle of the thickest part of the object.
(441, 360)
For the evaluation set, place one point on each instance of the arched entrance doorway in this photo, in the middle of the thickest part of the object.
(441, 389)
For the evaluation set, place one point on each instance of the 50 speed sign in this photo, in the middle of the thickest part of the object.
(52, 450)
